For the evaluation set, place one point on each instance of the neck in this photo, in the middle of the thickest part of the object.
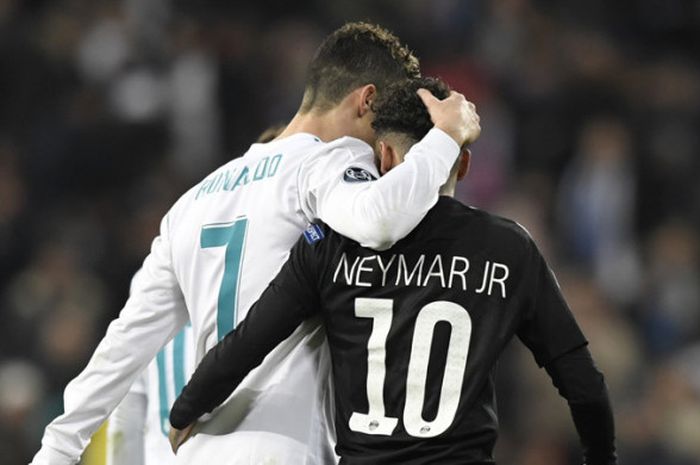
(447, 192)
(403, 143)
(448, 189)
(327, 125)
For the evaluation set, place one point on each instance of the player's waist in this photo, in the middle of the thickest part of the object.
(465, 448)
(421, 460)
(245, 447)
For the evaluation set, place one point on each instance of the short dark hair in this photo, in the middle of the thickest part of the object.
(355, 55)
(399, 109)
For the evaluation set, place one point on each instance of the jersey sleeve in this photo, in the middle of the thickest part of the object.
(578, 380)
(154, 312)
(289, 299)
(340, 189)
(548, 327)
(140, 386)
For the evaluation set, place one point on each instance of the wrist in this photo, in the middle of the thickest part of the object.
(453, 134)
(50, 456)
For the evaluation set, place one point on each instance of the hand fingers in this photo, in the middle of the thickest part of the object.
(454, 95)
(179, 437)
(428, 98)
(472, 109)
(186, 434)
(173, 440)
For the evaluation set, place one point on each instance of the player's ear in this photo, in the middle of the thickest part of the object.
(464, 161)
(366, 97)
(387, 157)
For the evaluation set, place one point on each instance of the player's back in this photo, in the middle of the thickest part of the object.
(230, 233)
(229, 236)
(415, 333)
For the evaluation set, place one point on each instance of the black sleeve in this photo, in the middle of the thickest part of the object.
(548, 327)
(582, 385)
(289, 299)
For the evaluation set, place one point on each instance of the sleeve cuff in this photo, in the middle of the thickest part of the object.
(50, 456)
(442, 145)
(180, 415)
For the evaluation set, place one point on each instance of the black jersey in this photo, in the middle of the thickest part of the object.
(414, 331)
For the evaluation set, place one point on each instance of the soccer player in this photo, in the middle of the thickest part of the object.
(224, 239)
(137, 431)
(415, 331)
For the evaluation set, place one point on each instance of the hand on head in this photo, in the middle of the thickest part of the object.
(455, 115)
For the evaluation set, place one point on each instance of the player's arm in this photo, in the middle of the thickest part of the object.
(582, 385)
(551, 333)
(287, 301)
(127, 424)
(377, 214)
(126, 427)
(154, 312)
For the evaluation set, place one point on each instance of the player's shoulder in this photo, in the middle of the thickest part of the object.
(482, 223)
(353, 157)
(322, 240)
(342, 148)
(201, 186)
(301, 143)
(503, 226)
(318, 242)
(347, 143)
(319, 234)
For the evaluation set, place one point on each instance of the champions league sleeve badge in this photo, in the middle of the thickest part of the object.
(355, 174)
(313, 233)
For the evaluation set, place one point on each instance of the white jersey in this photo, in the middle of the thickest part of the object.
(137, 432)
(164, 380)
(219, 246)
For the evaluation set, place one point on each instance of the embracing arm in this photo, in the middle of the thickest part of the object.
(379, 213)
(154, 312)
(289, 299)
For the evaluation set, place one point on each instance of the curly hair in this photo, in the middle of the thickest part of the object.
(399, 109)
(355, 55)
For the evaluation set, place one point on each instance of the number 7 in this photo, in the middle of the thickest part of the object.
(231, 236)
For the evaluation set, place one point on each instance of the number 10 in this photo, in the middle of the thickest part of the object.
(381, 311)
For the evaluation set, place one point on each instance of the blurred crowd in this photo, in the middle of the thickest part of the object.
(109, 110)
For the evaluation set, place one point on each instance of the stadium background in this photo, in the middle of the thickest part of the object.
(590, 110)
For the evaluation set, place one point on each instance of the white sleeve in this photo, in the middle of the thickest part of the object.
(127, 423)
(154, 313)
(126, 428)
(377, 214)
